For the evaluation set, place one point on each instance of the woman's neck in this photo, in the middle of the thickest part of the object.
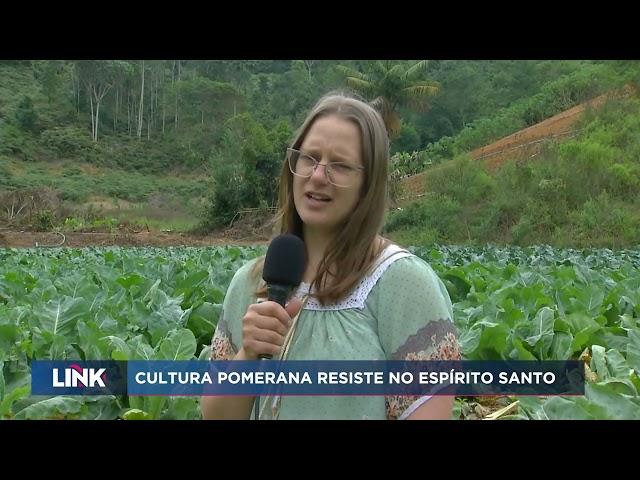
(316, 244)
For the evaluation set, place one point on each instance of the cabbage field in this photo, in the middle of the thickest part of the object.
(163, 303)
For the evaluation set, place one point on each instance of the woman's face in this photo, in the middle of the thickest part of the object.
(321, 205)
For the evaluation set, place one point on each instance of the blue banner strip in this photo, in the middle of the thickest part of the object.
(250, 378)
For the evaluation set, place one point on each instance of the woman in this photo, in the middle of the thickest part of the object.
(364, 298)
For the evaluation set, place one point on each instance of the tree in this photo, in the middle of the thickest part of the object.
(98, 77)
(213, 101)
(123, 80)
(141, 108)
(290, 94)
(408, 140)
(390, 85)
(309, 64)
(49, 74)
(25, 115)
(245, 168)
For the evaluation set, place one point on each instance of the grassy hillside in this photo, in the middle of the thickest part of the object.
(582, 192)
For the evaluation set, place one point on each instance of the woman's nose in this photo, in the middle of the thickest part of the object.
(320, 173)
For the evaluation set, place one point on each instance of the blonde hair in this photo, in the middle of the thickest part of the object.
(353, 250)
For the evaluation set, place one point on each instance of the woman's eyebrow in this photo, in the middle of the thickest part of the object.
(312, 149)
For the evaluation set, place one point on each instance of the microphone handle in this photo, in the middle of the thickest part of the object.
(279, 294)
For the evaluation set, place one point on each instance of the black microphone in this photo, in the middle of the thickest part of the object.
(283, 268)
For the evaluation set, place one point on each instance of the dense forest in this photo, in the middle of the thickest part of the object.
(192, 141)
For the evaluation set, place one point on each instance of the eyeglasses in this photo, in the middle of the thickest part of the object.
(340, 174)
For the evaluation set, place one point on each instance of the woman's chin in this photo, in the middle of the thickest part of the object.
(317, 221)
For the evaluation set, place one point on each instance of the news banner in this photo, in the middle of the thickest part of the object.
(250, 378)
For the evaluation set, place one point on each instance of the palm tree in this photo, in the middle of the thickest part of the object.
(391, 85)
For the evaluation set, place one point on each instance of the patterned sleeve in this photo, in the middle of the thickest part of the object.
(227, 338)
(221, 346)
(415, 322)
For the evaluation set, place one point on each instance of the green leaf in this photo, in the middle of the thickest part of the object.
(61, 348)
(617, 364)
(121, 350)
(140, 349)
(561, 325)
(458, 279)
(598, 362)
(91, 338)
(561, 346)
(180, 344)
(561, 408)
(167, 314)
(494, 342)
(203, 319)
(202, 329)
(9, 335)
(1, 381)
(127, 281)
(580, 321)
(521, 352)
(532, 407)
(620, 386)
(588, 300)
(154, 406)
(181, 408)
(542, 326)
(627, 322)
(151, 292)
(635, 380)
(613, 337)
(470, 339)
(618, 373)
(511, 313)
(109, 257)
(51, 408)
(102, 408)
(633, 350)
(191, 281)
(136, 403)
(60, 316)
(11, 397)
(136, 414)
(617, 406)
(583, 337)
(205, 353)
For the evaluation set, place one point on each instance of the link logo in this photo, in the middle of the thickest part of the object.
(78, 377)
(75, 376)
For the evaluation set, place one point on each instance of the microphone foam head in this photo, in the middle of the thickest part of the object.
(284, 263)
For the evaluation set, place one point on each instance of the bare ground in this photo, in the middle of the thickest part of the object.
(523, 145)
(248, 230)
(11, 239)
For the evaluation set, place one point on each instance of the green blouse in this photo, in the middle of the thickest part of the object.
(400, 311)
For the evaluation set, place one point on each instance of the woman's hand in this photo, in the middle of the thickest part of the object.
(264, 327)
